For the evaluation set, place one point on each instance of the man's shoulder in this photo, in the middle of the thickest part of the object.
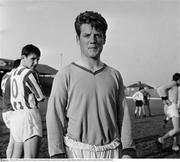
(138, 92)
(6, 75)
(65, 70)
(21, 72)
(113, 70)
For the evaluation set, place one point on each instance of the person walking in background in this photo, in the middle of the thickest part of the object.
(147, 96)
(139, 101)
(178, 100)
(169, 95)
(7, 107)
(87, 114)
(25, 92)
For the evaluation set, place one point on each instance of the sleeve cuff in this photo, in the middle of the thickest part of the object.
(63, 155)
(164, 98)
(129, 151)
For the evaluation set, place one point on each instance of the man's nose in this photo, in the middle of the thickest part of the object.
(92, 38)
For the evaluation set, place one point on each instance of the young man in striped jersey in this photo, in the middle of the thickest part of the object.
(7, 108)
(25, 92)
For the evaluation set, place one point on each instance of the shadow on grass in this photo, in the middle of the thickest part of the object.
(146, 139)
(162, 153)
(156, 152)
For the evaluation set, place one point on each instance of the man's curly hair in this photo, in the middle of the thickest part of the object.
(176, 77)
(93, 18)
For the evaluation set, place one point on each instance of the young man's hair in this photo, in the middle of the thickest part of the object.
(30, 49)
(93, 18)
(140, 88)
(176, 77)
(16, 63)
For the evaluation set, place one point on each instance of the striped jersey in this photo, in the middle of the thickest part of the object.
(5, 87)
(138, 96)
(25, 89)
(4, 80)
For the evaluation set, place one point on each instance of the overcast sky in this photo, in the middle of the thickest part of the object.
(143, 37)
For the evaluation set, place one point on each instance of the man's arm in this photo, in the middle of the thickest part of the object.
(5, 87)
(134, 96)
(124, 124)
(163, 92)
(33, 85)
(126, 133)
(55, 118)
(6, 97)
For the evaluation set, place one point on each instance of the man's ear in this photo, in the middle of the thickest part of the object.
(104, 40)
(22, 57)
(77, 39)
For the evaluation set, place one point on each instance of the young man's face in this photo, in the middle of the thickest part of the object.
(30, 61)
(178, 82)
(91, 41)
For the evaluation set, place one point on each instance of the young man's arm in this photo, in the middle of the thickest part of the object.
(5, 87)
(55, 117)
(126, 133)
(163, 91)
(34, 86)
(124, 124)
(134, 96)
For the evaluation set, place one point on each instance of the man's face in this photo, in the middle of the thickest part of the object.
(178, 82)
(91, 41)
(30, 61)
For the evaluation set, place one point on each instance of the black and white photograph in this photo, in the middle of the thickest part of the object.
(89, 79)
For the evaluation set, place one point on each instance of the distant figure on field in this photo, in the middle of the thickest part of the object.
(7, 107)
(139, 101)
(169, 96)
(147, 96)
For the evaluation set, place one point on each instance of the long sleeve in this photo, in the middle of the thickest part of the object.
(55, 117)
(126, 133)
(124, 124)
(5, 86)
(163, 90)
(33, 84)
(134, 96)
(138, 96)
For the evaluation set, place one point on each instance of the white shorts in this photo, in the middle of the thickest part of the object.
(25, 124)
(172, 111)
(75, 149)
(7, 117)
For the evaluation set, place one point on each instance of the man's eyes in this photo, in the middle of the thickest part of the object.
(35, 59)
(96, 35)
(87, 35)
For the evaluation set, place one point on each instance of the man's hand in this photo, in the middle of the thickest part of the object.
(167, 102)
(63, 155)
(126, 157)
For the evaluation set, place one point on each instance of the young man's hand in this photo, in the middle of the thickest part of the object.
(167, 102)
(126, 157)
(61, 156)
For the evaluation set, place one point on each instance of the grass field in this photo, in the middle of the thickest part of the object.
(145, 132)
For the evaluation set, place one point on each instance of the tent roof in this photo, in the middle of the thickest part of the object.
(139, 84)
(46, 70)
(7, 65)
